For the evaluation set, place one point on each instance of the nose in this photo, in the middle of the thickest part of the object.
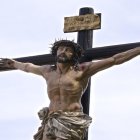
(63, 50)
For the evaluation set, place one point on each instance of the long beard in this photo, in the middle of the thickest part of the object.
(62, 58)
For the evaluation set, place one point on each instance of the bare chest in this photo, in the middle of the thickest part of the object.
(71, 81)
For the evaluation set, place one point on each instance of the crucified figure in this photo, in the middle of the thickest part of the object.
(66, 81)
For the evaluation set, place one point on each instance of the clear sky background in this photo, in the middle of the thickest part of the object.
(28, 28)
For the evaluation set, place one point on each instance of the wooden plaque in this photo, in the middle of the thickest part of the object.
(82, 22)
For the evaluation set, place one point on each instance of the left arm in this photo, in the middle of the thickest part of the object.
(94, 67)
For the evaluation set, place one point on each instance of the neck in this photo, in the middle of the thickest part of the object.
(63, 67)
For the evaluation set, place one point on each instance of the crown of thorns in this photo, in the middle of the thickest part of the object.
(76, 47)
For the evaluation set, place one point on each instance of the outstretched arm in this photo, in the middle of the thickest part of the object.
(27, 67)
(94, 67)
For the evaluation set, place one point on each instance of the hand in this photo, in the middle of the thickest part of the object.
(138, 48)
(8, 63)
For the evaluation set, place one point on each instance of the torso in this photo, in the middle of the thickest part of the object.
(65, 90)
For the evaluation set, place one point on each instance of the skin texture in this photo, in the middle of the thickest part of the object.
(65, 85)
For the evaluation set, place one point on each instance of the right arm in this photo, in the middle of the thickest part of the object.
(27, 67)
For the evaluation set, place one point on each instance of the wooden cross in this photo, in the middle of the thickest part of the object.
(84, 24)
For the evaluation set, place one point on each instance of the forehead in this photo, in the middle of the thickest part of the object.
(64, 46)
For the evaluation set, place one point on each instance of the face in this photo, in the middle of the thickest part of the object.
(64, 54)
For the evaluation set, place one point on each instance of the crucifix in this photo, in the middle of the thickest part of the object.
(84, 24)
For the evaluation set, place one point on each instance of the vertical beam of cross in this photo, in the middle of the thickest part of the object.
(85, 39)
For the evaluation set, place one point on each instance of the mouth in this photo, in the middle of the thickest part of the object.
(62, 58)
(61, 55)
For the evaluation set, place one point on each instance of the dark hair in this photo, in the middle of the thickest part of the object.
(76, 47)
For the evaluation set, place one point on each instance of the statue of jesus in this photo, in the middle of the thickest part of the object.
(66, 82)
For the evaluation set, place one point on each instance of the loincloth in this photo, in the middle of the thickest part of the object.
(64, 125)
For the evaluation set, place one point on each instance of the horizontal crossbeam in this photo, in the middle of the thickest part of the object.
(88, 55)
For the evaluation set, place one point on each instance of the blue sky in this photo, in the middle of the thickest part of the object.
(29, 27)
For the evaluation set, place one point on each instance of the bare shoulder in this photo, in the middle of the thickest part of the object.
(84, 66)
(91, 68)
(46, 68)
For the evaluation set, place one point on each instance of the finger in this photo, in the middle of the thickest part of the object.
(3, 59)
(2, 62)
(1, 65)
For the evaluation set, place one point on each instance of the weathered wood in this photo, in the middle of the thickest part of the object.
(82, 22)
(107, 51)
(89, 55)
(85, 39)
